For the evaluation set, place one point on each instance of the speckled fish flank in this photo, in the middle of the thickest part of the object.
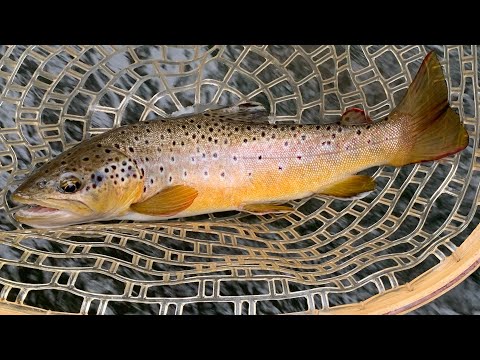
(223, 160)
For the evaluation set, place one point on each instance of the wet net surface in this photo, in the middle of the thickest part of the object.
(326, 253)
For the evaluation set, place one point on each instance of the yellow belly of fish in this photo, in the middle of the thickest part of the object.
(296, 180)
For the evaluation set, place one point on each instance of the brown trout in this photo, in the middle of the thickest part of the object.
(222, 160)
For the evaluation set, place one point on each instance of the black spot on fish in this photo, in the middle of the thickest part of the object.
(333, 136)
(123, 179)
(293, 128)
(249, 128)
(122, 170)
(146, 142)
(199, 126)
(286, 143)
(134, 175)
(144, 189)
(328, 127)
(172, 158)
(87, 188)
(92, 176)
(339, 129)
(368, 141)
(169, 131)
(106, 170)
(215, 141)
(115, 182)
(174, 143)
(85, 159)
(99, 178)
(130, 149)
(146, 159)
(245, 140)
(209, 138)
(205, 173)
(328, 142)
(358, 132)
(111, 176)
(275, 126)
(94, 186)
(260, 157)
(99, 145)
(114, 167)
(170, 179)
(117, 146)
(143, 171)
(263, 133)
(148, 130)
(124, 163)
(368, 127)
(185, 173)
(317, 127)
(136, 138)
(63, 163)
(222, 174)
(210, 129)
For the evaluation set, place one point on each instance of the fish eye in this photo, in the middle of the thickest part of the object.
(70, 184)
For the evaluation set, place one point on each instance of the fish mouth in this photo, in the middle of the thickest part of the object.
(50, 212)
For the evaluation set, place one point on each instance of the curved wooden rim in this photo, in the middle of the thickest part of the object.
(9, 308)
(427, 287)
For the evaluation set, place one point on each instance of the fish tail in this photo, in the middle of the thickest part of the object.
(434, 129)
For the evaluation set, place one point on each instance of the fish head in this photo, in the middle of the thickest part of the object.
(88, 183)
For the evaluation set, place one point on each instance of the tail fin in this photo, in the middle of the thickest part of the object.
(434, 129)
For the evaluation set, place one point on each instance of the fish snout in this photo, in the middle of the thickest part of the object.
(20, 196)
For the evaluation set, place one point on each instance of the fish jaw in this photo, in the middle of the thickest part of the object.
(50, 213)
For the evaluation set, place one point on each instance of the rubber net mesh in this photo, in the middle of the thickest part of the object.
(326, 253)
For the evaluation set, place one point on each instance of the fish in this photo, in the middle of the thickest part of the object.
(237, 158)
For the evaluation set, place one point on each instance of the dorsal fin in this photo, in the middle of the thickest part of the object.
(246, 111)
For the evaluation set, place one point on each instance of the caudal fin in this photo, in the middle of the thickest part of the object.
(434, 129)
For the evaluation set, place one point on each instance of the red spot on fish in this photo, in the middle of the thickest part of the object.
(369, 141)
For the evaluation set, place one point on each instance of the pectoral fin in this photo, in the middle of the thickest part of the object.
(262, 209)
(353, 187)
(169, 201)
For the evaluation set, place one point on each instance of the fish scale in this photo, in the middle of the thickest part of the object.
(234, 159)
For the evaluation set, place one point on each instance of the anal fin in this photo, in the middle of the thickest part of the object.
(262, 209)
(169, 201)
(353, 187)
